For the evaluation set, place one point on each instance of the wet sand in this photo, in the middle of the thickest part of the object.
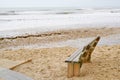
(56, 36)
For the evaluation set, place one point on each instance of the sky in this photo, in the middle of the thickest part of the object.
(61, 3)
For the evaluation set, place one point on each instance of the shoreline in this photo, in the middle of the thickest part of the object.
(31, 32)
(77, 43)
(57, 36)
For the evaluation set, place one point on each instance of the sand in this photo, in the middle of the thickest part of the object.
(48, 63)
(57, 36)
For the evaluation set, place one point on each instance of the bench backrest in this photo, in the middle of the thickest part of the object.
(83, 54)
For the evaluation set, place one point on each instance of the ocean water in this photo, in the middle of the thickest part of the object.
(19, 21)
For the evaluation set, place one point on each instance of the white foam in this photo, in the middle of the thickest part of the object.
(42, 21)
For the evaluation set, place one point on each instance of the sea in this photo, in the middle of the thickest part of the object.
(20, 21)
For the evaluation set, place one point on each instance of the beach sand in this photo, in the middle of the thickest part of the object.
(48, 63)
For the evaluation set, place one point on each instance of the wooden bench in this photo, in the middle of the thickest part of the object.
(82, 55)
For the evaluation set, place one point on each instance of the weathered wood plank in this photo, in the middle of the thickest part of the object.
(76, 69)
(70, 70)
(7, 74)
(10, 64)
(74, 55)
(23, 62)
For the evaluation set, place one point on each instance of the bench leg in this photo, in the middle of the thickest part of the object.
(70, 70)
(76, 69)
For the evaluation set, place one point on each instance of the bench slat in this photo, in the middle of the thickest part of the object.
(77, 59)
(74, 55)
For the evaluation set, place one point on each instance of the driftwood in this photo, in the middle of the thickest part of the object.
(29, 60)
(10, 64)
